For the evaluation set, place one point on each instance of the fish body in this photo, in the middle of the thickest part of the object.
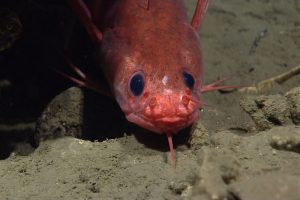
(157, 44)
(152, 59)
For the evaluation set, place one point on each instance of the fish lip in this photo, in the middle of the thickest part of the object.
(163, 124)
(140, 121)
(171, 120)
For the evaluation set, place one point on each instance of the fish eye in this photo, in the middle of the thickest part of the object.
(137, 84)
(188, 80)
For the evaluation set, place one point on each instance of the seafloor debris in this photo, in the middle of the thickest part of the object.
(62, 117)
(271, 110)
(10, 28)
(269, 83)
(79, 113)
(293, 97)
(290, 142)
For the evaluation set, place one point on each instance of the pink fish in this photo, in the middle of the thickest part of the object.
(153, 59)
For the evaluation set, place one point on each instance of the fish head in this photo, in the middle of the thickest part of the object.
(159, 98)
(155, 76)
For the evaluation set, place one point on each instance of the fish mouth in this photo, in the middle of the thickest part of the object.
(164, 124)
(171, 121)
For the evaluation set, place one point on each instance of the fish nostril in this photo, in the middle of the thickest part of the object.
(152, 102)
(185, 100)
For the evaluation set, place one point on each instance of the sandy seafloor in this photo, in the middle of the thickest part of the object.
(229, 154)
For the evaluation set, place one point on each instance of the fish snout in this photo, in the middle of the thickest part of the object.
(174, 110)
